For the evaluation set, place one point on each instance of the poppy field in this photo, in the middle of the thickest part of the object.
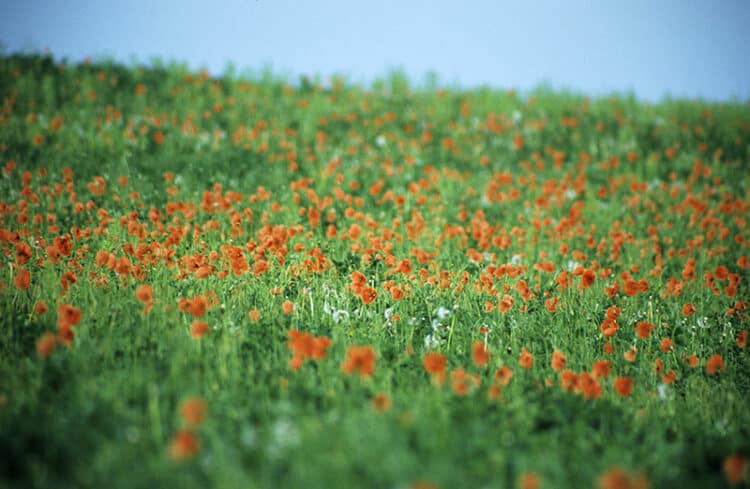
(246, 281)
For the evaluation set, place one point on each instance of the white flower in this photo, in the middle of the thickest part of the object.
(663, 390)
(340, 315)
(443, 313)
(430, 341)
(380, 140)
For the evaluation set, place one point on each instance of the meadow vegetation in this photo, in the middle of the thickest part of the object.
(246, 281)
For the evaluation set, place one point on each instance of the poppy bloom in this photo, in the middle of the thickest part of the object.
(198, 329)
(526, 359)
(40, 308)
(742, 339)
(600, 369)
(666, 345)
(714, 364)
(480, 354)
(46, 344)
(643, 329)
(145, 294)
(287, 307)
(193, 411)
(434, 363)
(587, 279)
(381, 402)
(630, 354)
(253, 315)
(568, 380)
(618, 478)
(68, 315)
(503, 375)
(588, 386)
(688, 309)
(368, 295)
(65, 334)
(196, 306)
(669, 377)
(185, 445)
(623, 386)
(22, 280)
(609, 327)
(506, 303)
(528, 480)
(735, 469)
(359, 359)
(462, 383)
(558, 361)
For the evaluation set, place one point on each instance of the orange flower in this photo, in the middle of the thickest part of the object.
(381, 402)
(359, 359)
(185, 445)
(46, 344)
(613, 313)
(742, 339)
(253, 315)
(434, 363)
(568, 380)
(503, 375)
(558, 361)
(193, 411)
(144, 293)
(462, 383)
(600, 369)
(320, 345)
(68, 315)
(65, 334)
(623, 386)
(618, 478)
(630, 354)
(588, 386)
(506, 303)
(714, 364)
(643, 329)
(688, 309)
(287, 307)
(735, 469)
(480, 354)
(609, 327)
(669, 377)
(587, 279)
(526, 359)
(196, 306)
(528, 480)
(692, 361)
(22, 280)
(198, 329)
(368, 295)
(40, 308)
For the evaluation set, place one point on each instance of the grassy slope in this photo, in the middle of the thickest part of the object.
(103, 412)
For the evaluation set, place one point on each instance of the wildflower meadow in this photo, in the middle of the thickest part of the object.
(246, 281)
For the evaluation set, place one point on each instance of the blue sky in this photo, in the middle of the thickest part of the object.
(653, 48)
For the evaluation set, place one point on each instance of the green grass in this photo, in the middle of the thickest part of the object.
(214, 162)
